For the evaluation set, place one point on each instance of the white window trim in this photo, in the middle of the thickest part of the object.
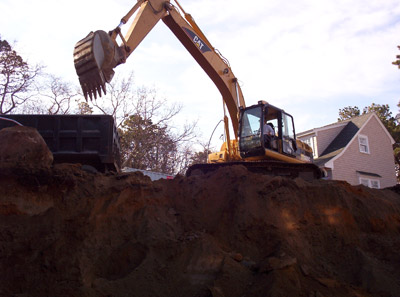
(312, 142)
(370, 181)
(360, 136)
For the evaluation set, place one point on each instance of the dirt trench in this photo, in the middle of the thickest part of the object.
(68, 232)
(65, 231)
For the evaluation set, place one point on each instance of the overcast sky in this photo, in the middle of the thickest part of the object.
(309, 57)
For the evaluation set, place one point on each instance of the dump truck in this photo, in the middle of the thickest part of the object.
(91, 140)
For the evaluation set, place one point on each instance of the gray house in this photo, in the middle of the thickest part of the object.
(358, 150)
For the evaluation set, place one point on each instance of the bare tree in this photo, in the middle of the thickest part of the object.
(56, 94)
(119, 101)
(16, 78)
(149, 140)
(188, 157)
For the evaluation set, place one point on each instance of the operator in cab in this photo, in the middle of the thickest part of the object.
(269, 133)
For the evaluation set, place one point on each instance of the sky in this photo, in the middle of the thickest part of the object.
(308, 57)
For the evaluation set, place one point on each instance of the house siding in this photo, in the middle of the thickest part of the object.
(380, 160)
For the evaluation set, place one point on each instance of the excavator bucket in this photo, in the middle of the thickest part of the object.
(95, 56)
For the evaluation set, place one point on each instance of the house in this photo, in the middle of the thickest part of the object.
(358, 150)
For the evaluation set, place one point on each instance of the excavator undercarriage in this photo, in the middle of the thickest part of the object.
(306, 171)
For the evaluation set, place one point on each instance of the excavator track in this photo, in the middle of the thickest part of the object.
(306, 171)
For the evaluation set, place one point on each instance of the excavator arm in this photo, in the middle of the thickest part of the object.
(98, 54)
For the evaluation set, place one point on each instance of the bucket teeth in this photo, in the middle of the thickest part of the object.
(90, 75)
(93, 83)
(95, 56)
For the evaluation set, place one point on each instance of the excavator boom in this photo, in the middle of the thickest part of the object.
(98, 54)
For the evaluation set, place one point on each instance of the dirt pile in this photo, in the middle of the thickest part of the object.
(23, 147)
(68, 232)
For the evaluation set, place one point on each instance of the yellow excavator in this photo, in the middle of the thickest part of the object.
(275, 153)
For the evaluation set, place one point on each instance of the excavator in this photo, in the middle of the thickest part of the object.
(278, 153)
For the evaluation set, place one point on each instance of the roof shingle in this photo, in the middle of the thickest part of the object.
(343, 138)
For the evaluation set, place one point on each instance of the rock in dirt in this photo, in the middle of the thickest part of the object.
(23, 147)
(230, 233)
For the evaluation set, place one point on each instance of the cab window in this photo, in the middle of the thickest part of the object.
(287, 126)
(251, 122)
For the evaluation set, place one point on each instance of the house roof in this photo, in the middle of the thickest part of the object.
(368, 173)
(321, 160)
(347, 134)
(338, 144)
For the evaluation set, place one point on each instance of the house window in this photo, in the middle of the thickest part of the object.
(368, 182)
(375, 184)
(363, 144)
(364, 182)
(312, 142)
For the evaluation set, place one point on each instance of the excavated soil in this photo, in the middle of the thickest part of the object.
(69, 232)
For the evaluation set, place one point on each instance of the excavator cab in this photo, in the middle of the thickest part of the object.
(255, 143)
(251, 131)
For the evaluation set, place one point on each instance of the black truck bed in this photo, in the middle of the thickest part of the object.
(87, 139)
